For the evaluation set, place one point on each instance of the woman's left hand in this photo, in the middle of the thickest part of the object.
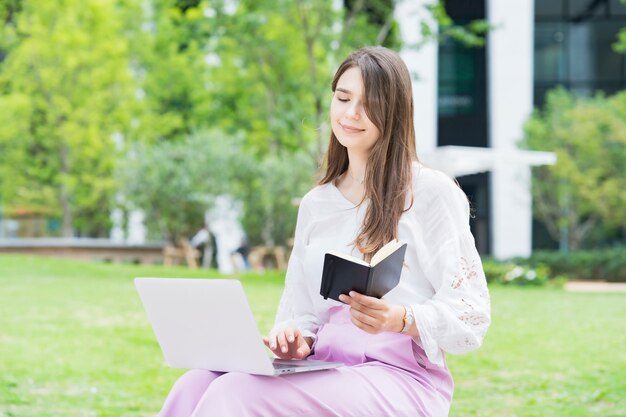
(374, 315)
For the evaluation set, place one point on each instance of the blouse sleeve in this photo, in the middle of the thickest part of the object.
(296, 307)
(458, 315)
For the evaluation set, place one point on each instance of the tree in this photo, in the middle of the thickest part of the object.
(586, 188)
(83, 81)
(271, 197)
(471, 35)
(275, 60)
(175, 182)
(266, 79)
(271, 81)
(66, 90)
(9, 9)
(260, 71)
(168, 45)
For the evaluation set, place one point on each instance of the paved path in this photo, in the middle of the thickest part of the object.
(595, 286)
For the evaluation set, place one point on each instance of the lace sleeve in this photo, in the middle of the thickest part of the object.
(457, 317)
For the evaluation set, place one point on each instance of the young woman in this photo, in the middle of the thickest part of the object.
(373, 191)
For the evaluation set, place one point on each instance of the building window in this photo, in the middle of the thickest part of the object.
(462, 85)
(573, 49)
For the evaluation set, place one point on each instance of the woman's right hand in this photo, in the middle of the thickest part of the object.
(289, 344)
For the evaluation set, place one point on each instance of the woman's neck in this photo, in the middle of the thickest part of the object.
(357, 165)
(352, 183)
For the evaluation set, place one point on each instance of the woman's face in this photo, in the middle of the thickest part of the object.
(353, 128)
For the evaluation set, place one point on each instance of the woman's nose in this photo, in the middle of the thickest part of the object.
(353, 112)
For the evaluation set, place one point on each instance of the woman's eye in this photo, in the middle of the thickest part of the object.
(344, 100)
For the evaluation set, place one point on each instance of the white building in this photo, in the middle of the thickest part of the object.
(483, 97)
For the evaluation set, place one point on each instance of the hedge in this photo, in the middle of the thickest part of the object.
(602, 265)
(510, 273)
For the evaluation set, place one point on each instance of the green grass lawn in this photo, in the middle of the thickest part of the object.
(74, 341)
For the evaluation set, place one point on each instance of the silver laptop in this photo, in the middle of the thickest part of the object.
(208, 324)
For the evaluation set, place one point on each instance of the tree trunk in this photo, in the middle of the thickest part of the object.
(66, 206)
(580, 231)
(311, 35)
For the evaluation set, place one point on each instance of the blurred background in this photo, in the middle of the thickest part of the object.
(133, 124)
(164, 136)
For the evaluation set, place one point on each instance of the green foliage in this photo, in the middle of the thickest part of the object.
(273, 65)
(269, 199)
(262, 83)
(555, 267)
(368, 22)
(9, 10)
(265, 67)
(66, 89)
(587, 186)
(620, 44)
(471, 34)
(604, 265)
(168, 41)
(515, 273)
(82, 82)
(174, 183)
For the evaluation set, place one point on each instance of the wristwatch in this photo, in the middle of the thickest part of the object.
(408, 318)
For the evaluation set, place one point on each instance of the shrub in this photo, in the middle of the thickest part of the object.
(495, 270)
(605, 265)
(509, 273)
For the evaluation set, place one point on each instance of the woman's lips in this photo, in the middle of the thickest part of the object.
(350, 129)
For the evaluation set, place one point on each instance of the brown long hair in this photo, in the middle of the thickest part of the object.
(388, 103)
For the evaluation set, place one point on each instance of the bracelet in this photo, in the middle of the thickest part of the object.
(408, 319)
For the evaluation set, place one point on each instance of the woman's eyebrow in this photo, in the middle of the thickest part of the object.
(343, 90)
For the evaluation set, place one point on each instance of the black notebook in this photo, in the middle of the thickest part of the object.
(343, 273)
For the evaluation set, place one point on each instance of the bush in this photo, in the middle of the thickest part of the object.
(269, 210)
(175, 182)
(604, 265)
(509, 273)
(494, 270)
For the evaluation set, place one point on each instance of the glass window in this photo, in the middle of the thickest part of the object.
(591, 55)
(550, 8)
(466, 10)
(550, 53)
(586, 9)
(461, 104)
(578, 54)
(462, 87)
(460, 79)
(618, 8)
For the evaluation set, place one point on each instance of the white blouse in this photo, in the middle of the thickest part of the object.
(442, 279)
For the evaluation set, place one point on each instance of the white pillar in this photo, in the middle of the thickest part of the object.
(510, 70)
(136, 232)
(511, 210)
(223, 221)
(422, 64)
(117, 228)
